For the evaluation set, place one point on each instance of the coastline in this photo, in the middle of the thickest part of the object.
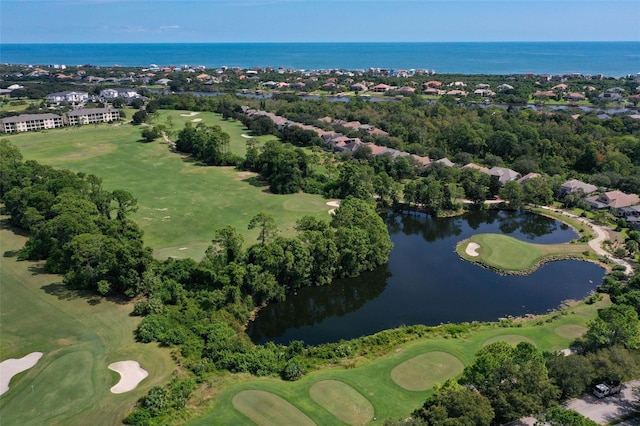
(612, 59)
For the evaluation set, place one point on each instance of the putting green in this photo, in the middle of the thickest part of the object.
(509, 254)
(423, 371)
(342, 401)
(570, 331)
(265, 408)
(512, 339)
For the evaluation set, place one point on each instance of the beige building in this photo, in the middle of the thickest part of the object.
(31, 122)
(92, 115)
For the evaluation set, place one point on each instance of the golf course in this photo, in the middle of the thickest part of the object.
(510, 255)
(79, 335)
(87, 342)
(388, 387)
(180, 204)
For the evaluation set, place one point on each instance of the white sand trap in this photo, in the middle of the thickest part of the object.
(131, 374)
(191, 114)
(10, 367)
(472, 249)
(196, 120)
(246, 136)
(333, 204)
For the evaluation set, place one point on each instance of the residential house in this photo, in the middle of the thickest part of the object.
(31, 122)
(69, 96)
(576, 97)
(485, 93)
(476, 167)
(543, 93)
(359, 87)
(631, 214)
(504, 174)
(457, 93)
(124, 93)
(433, 83)
(431, 91)
(612, 200)
(163, 82)
(529, 176)
(92, 115)
(406, 90)
(504, 87)
(381, 88)
(445, 162)
(574, 185)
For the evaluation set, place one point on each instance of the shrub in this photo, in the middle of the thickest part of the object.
(292, 371)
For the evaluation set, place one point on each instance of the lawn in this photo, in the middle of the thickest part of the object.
(334, 396)
(509, 254)
(181, 204)
(79, 335)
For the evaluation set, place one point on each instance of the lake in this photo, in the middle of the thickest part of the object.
(426, 282)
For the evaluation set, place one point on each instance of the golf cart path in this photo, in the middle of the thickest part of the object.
(596, 243)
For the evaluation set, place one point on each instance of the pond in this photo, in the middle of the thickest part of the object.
(426, 282)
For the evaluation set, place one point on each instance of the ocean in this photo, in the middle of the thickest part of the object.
(613, 59)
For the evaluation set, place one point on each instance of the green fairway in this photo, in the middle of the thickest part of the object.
(79, 335)
(342, 401)
(267, 409)
(509, 254)
(423, 371)
(180, 203)
(375, 382)
(512, 339)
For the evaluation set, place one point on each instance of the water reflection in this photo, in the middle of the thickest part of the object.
(425, 282)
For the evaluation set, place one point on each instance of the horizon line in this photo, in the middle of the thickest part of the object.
(327, 42)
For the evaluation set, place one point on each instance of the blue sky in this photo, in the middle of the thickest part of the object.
(218, 21)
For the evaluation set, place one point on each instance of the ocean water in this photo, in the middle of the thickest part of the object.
(613, 59)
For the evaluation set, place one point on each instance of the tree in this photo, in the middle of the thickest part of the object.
(227, 245)
(514, 379)
(139, 117)
(266, 225)
(125, 203)
(455, 405)
(513, 193)
(559, 416)
(617, 325)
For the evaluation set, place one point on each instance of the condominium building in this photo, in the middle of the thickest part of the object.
(30, 122)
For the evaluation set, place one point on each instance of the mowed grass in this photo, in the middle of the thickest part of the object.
(342, 401)
(180, 204)
(265, 408)
(510, 254)
(423, 371)
(79, 335)
(373, 380)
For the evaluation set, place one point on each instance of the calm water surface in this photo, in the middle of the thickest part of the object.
(425, 282)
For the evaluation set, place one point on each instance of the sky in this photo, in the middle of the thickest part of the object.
(223, 21)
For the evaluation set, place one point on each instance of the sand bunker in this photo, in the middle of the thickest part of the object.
(131, 374)
(246, 136)
(196, 120)
(10, 367)
(333, 204)
(191, 114)
(472, 249)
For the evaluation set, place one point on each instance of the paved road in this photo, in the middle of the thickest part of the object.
(596, 243)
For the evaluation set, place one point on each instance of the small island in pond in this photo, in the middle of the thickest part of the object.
(508, 255)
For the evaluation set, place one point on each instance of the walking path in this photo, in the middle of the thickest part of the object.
(596, 243)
